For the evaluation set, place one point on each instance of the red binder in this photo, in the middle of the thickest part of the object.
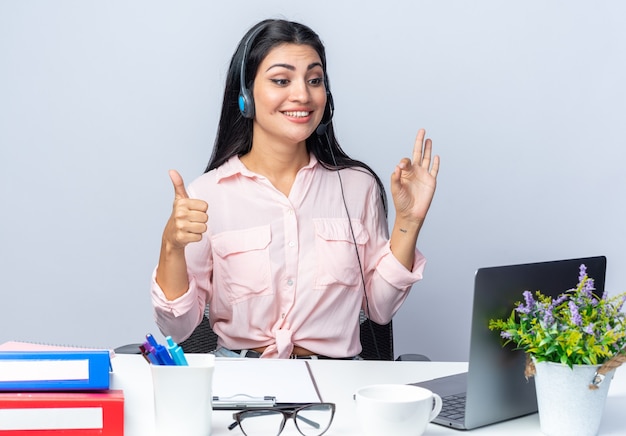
(62, 413)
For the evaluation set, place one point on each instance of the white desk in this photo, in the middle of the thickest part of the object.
(337, 381)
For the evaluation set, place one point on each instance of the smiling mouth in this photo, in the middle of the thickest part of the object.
(297, 114)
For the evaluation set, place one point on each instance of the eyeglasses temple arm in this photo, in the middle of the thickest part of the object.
(308, 421)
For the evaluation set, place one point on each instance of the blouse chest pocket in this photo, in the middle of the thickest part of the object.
(241, 263)
(336, 255)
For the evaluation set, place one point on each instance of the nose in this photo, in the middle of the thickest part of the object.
(300, 91)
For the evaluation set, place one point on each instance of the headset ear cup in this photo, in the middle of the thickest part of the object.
(246, 103)
(330, 107)
(329, 110)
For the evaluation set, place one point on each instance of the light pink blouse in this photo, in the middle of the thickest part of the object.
(280, 271)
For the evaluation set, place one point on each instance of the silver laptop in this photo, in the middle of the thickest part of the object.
(494, 389)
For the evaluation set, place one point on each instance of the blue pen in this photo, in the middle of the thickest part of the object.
(151, 340)
(176, 352)
(161, 351)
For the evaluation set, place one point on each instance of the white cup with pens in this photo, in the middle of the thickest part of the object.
(182, 389)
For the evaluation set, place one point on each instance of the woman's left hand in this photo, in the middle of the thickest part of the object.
(413, 182)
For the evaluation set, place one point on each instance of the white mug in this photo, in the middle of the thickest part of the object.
(396, 409)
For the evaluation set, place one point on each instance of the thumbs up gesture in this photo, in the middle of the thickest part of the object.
(189, 216)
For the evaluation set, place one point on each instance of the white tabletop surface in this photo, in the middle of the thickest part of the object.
(337, 381)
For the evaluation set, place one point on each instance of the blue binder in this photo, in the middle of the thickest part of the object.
(54, 370)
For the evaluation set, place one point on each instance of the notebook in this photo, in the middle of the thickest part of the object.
(494, 388)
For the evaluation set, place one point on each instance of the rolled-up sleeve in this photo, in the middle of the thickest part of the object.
(176, 318)
(390, 285)
(396, 274)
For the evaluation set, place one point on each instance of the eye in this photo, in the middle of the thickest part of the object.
(280, 82)
(316, 81)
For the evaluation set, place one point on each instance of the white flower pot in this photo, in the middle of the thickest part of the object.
(566, 404)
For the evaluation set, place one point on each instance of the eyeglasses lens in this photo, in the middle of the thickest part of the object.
(261, 422)
(314, 420)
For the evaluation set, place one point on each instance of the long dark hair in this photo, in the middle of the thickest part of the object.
(234, 134)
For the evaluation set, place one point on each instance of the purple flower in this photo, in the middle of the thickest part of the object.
(583, 273)
(619, 307)
(588, 288)
(548, 318)
(530, 302)
(561, 298)
(605, 295)
(576, 318)
(548, 314)
(506, 335)
(588, 329)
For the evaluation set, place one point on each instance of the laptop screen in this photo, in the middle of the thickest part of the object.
(496, 386)
(495, 389)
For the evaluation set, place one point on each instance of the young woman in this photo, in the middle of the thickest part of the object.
(285, 237)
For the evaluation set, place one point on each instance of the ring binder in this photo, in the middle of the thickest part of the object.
(54, 370)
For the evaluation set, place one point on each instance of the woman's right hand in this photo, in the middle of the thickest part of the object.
(189, 217)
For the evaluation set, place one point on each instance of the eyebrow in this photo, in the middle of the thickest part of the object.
(292, 68)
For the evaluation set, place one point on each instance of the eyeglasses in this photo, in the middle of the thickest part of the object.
(310, 419)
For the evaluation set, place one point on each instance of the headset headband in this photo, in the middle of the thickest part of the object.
(246, 102)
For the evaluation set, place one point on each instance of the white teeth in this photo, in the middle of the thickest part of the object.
(297, 114)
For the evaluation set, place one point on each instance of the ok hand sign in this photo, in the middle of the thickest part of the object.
(413, 182)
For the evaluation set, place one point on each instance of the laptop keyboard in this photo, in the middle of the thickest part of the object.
(453, 407)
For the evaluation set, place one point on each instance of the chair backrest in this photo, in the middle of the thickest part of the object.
(202, 340)
(376, 339)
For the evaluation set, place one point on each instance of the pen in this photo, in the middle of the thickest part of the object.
(159, 350)
(151, 340)
(150, 358)
(152, 354)
(164, 355)
(176, 352)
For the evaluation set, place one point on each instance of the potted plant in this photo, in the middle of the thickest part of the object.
(573, 344)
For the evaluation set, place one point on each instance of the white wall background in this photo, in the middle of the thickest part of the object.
(525, 102)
